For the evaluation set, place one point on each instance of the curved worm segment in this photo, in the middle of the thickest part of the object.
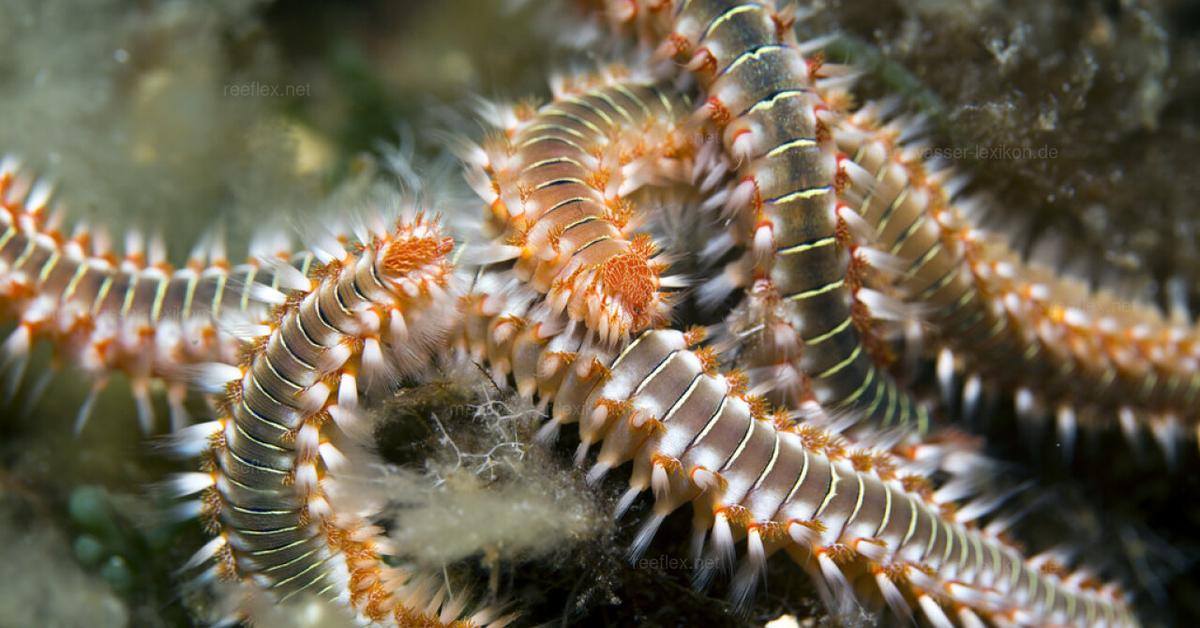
(1056, 345)
(842, 512)
(132, 313)
(268, 486)
(807, 326)
(872, 194)
(561, 182)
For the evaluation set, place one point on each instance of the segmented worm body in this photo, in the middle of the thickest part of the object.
(569, 301)
(581, 276)
(694, 436)
(812, 330)
(815, 173)
(559, 186)
(136, 315)
(697, 436)
(1051, 341)
(268, 487)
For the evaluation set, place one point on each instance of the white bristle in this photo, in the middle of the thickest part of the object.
(883, 306)
(333, 458)
(192, 440)
(182, 484)
(645, 535)
(934, 612)
(266, 294)
(945, 374)
(287, 276)
(214, 376)
(206, 553)
(893, 597)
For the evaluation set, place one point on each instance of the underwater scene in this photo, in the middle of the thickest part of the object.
(487, 313)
